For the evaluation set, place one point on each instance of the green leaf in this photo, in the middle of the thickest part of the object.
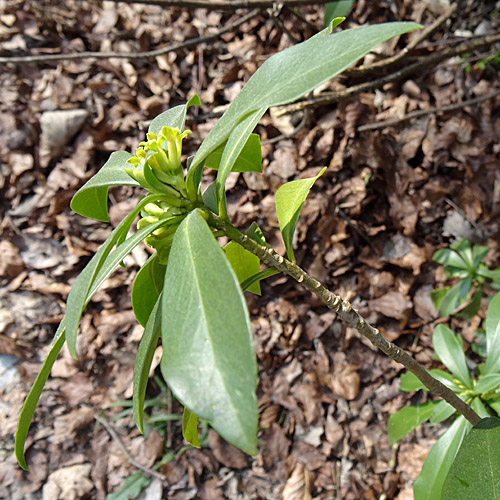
(249, 159)
(190, 428)
(294, 72)
(475, 473)
(448, 257)
(234, 146)
(495, 405)
(437, 296)
(131, 488)
(289, 200)
(91, 200)
(493, 275)
(465, 251)
(91, 278)
(446, 379)
(255, 232)
(492, 327)
(451, 353)
(478, 254)
(340, 8)
(442, 412)
(31, 401)
(143, 361)
(473, 307)
(455, 296)
(256, 278)
(487, 383)
(409, 382)
(408, 418)
(478, 406)
(173, 117)
(147, 287)
(429, 484)
(244, 264)
(208, 358)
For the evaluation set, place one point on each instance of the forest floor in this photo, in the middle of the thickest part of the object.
(391, 196)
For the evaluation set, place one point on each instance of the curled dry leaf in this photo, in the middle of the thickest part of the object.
(297, 486)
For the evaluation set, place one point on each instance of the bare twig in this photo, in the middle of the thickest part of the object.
(130, 458)
(424, 112)
(333, 97)
(390, 61)
(292, 134)
(224, 4)
(131, 55)
(347, 314)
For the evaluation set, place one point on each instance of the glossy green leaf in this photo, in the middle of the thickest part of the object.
(147, 287)
(464, 249)
(131, 489)
(475, 473)
(31, 401)
(492, 327)
(437, 296)
(429, 484)
(143, 360)
(249, 159)
(294, 72)
(208, 359)
(340, 8)
(91, 200)
(479, 252)
(173, 117)
(244, 264)
(255, 232)
(98, 269)
(289, 200)
(234, 146)
(495, 405)
(487, 383)
(257, 278)
(455, 296)
(480, 408)
(474, 305)
(409, 382)
(190, 428)
(442, 412)
(451, 354)
(408, 418)
(446, 379)
(448, 257)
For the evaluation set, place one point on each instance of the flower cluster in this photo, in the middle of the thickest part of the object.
(157, 168)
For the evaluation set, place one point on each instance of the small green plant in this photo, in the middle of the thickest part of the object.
(189, 294)
(479, 389)
(465, 263)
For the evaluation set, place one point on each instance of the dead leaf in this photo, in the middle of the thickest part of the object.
(298, 485)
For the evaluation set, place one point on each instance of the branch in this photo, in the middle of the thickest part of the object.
(333, 97)
(130, 458)
(347, 314)
(424, 112)
(390, 61)
(225, 4)
(131, 55)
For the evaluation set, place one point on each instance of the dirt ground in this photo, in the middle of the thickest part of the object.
(392, 195)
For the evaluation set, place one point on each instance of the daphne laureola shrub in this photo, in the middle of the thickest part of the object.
(190, 291)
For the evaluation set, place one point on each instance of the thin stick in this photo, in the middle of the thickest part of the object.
(132, 55)
(224, 4)
(333, 97)
(132, 461)
(424, 112)
(347, 314)
(390, 61)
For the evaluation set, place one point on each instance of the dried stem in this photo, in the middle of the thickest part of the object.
(130, 458)
(225, 4)
(131, 55)
(347, 314)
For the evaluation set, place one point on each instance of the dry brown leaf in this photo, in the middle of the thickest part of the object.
(298, 485)
(225, 452)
